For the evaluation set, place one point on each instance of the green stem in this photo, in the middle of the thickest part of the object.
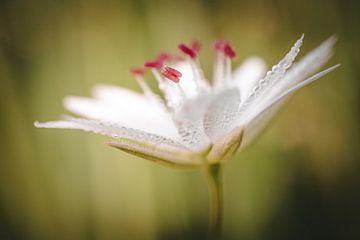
(214, 179)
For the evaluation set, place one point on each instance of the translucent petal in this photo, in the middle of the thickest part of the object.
(222, 113)
(147, 145)
(189, 120)
(115, 94)
(108, 129)
(163, 154)
(248, 74)
(126, 108)
(304, 68)
(276, 73)
(255, 127)
(260, 119)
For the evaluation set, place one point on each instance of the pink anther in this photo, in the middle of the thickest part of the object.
(172, 74)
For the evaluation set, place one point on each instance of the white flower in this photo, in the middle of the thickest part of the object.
(196, 123)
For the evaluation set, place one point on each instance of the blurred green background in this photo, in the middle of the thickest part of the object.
(300, 180)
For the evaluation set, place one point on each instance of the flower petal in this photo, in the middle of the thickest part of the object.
(189, 120)
(260, 119)
(304, 68)
(248, 74)
(255, 127)
(221, 114)
(109, 93)
(272, 77)
(106, 128)
(167, 155)
(298, 86)
(307, 65)
(137, 142)
(126, 108)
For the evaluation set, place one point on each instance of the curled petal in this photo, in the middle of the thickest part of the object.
(261, 118)
(272, 76)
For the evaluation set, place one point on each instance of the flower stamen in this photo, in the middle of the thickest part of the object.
(196, 46)
(171, 74)
(168, 57)
(174, 76)
(222, 68)
(192, 53)
(138, 73)
(156, 64)
(164, 56)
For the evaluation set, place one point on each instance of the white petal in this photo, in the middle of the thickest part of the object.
(189, 120)
(248, 74)
(260, 119)
(298, 86)
(126, 108)
(272, 77)
(255, 127)
(168, 155)
(109, 93)
(108, 129)
(304, 68)
(221, 114)
(311, 62)
(150, 146)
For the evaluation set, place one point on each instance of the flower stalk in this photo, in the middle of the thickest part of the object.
(213, 174)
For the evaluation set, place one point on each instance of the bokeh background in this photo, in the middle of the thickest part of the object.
(299, 180)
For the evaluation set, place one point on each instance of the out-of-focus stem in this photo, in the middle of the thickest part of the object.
(214, 179)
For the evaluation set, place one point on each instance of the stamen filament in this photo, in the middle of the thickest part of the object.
(202, 78)
(222, 68)
(144, 86)
(198, 76)
(159, 79)
(228, 70)
(219, 69)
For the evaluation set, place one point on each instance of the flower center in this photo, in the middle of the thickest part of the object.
(169, 66)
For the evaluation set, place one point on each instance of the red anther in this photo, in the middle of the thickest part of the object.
(188, 51)
(137, 71)
(177, 58)
(164, 56)
(224, 46)
(229, 52)
(220, 45)
(196, 46)
(153, 64)
(172, 74)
